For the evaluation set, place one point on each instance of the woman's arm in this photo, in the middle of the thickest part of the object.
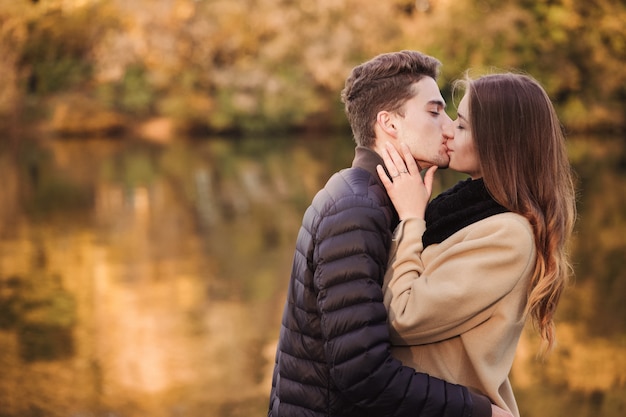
(455, 285)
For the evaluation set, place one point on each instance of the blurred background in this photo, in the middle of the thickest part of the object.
(156, 157)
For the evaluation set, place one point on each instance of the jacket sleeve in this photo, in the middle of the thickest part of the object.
(351, 257)
(435, 297)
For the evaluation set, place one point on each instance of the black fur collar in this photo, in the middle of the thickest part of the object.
(465, 203)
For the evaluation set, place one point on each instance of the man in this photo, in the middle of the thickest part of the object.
(333, 353)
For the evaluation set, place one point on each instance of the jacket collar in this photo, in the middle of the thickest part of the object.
(368, 159)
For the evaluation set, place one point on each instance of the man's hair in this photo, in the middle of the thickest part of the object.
(383, 83)
(525, 167)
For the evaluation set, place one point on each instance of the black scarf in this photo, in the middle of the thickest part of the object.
(465, 203)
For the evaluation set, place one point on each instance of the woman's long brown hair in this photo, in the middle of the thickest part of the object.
(521, 146)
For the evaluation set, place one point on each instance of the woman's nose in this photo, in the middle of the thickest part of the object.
(448, 128)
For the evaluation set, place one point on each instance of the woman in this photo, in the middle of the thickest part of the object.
(467, 271)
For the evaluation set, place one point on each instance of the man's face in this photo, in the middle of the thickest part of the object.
(425, 126)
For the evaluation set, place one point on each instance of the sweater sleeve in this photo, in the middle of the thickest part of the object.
(351, 255)
(457, 286)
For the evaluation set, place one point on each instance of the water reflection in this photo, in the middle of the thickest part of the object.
(142, 280)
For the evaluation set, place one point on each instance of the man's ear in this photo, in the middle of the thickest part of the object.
(386, 122)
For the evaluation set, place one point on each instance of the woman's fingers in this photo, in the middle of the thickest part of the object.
(389, 164)
(403, 181)
(411, 165)
(398, 164)
(384, 178)
(397, 159)
(429, 177)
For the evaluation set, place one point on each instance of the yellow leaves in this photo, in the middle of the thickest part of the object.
(287, 59)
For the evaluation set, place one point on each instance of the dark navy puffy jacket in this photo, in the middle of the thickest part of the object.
(333, 356)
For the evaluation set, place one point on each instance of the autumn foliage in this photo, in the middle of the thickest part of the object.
(276, 65)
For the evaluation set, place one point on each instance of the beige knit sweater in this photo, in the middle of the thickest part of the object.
(456, 308)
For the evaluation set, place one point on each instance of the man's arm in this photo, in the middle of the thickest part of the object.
(351, 256)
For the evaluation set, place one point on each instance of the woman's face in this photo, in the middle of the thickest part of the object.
(461, 150)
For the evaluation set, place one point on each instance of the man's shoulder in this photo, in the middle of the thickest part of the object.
(351, 195)
(354, 185)
(353, 180)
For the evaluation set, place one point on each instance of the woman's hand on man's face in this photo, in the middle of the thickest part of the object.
(406, 188)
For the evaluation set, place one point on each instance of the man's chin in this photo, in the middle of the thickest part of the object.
(440, 162)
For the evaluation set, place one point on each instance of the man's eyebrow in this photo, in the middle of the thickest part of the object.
(438, 103)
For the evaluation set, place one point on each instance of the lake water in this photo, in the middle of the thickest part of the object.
(148, 280)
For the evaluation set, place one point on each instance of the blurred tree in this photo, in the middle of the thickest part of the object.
(216, 64)
(57, 54)
(13, 35)
(575, 49)
(258, 65)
